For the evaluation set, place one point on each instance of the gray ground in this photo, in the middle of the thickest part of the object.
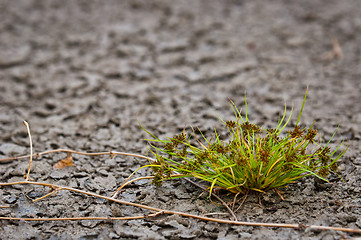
(82, 73)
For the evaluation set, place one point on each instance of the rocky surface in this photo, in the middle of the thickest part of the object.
(83, 72)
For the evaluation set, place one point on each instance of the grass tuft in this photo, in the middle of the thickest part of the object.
(252, 159)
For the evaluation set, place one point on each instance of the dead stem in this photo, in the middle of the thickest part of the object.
(46, 195)
(215, 213)
(111, 153)
(216, 196)
(241, 204)
(116, 193)
(156, 210)
(235, 199)
(31, 150)
(162, 211)
(82, 218)
(279, 194)
(59, 188)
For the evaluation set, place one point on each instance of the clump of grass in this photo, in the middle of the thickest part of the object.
(252, 159)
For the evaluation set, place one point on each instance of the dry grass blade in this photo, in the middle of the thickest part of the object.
(31, 150)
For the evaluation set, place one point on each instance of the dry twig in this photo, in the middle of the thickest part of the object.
(156, 211)
(163, 211)
(112, 154)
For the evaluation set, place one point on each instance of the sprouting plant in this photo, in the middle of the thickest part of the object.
(251, 159)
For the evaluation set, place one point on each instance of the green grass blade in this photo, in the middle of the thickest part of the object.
(303, 104)
(246, 107)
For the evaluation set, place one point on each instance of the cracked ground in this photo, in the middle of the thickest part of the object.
(83, 73)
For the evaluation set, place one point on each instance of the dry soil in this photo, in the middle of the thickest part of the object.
(83, 72)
